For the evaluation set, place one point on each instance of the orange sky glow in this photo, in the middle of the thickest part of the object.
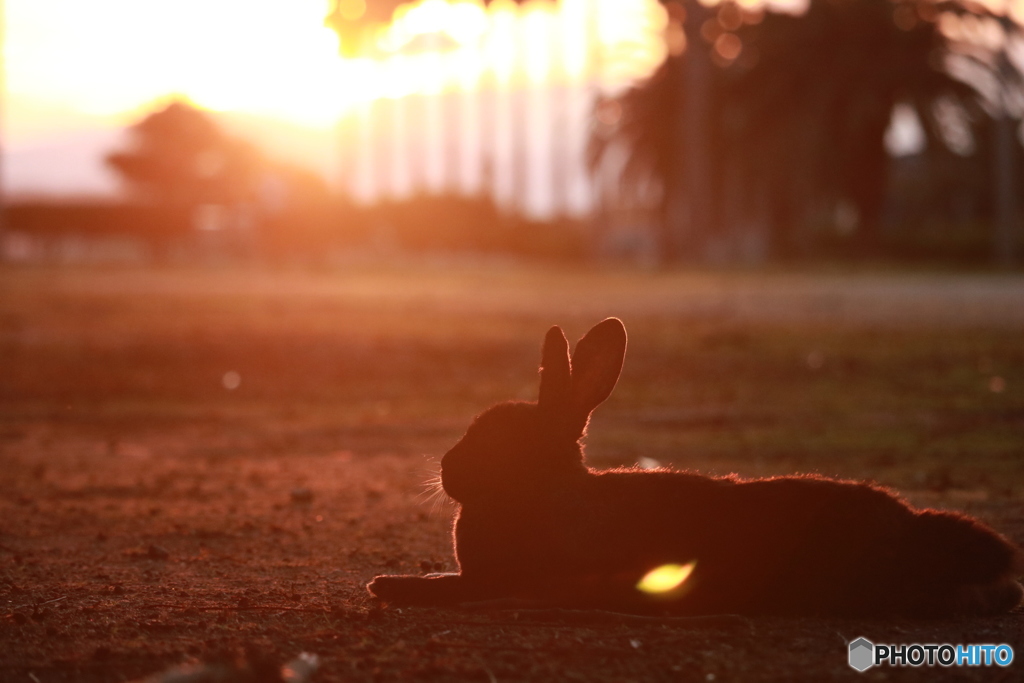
(78, 72)
(71, 63)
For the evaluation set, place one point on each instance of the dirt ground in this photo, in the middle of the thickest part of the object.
(197, 463)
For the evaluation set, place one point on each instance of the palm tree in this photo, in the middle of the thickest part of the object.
(801, 103)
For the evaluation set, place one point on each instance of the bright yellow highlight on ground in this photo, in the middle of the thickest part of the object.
(665, 578)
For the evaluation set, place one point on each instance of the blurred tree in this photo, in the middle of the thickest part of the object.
(180, 162)
(179, 156)
(800, 105)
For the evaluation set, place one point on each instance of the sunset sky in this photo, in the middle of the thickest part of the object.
(77, 72)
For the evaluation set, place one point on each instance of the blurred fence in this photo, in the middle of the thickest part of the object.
(522, 146)
(331, 231)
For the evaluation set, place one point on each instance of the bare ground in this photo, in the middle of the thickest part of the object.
(152, 515)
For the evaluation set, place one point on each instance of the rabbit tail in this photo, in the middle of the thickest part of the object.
(966, 567)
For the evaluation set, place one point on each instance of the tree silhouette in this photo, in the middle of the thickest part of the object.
(179, 156)
(801, 103)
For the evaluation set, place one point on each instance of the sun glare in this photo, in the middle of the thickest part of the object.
(110, 57)
(666, 578)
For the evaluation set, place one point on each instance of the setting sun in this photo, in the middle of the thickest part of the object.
(280, 75)
(113, 56)
(110, 57)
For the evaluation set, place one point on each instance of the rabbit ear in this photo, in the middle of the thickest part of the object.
(555, 374)
(596, 364)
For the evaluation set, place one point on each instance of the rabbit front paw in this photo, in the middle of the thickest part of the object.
(434, 589)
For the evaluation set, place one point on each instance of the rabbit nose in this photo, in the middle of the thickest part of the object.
(448, 481)
(446, 465)
(450, 472)
(450, 458)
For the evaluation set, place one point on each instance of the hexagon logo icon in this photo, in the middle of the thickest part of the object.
(862, 654)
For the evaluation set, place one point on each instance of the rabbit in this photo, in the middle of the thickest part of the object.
(536, 524)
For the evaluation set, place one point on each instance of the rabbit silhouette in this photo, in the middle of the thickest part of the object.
(535, 523)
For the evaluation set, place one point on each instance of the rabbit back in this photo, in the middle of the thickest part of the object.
(799, 545)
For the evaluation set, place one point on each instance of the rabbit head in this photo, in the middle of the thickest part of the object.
(512, 448)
